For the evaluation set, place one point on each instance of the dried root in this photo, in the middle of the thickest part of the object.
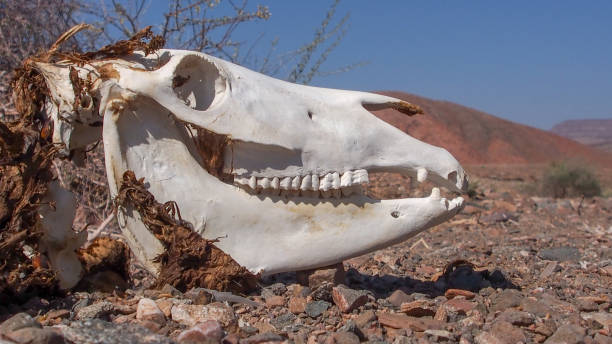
(189, 260)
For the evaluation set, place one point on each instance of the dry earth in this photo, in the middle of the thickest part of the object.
(511, 268)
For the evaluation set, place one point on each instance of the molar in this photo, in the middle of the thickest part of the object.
(315, 182)
(295, 183)
(253, 182)
(335, 183)
(347, 179)
(285, 183)
(306, 183)
(263, 183)
(326, 182)
(360, 177)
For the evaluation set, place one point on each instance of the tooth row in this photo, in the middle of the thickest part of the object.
(331, 184)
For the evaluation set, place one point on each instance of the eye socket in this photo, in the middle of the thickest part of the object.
(310, 114)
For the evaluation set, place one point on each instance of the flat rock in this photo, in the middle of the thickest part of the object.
(97, 331)
(398, 297)
(316, 308)
(418, 308)
(348, 299)
(508, 298)
(148, 310)
(334, 274)
(452, 293)
(18, 321)
(209, 330)
(95, 311)
(407, 322)
(190, 315)
(36, 336)
(297, 304)
(567, 334)
(560, 254)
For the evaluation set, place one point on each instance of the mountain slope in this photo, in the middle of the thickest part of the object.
(475, 137)
(596, 133)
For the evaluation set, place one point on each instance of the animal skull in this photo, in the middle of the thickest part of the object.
(272, 169)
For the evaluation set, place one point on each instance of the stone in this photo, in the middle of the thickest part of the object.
(345, 338)
(148, 310)
(261, 338)
(601, 339)
(567, 334)
(348, 299)
(418, 308)
(95, 311)
(17, 322)
(275, 301)
(560, 254)
(586, 305)
(316, 308)
(96, 331)
(190, 315)
(297, 304)
(165, 305)
(207, 331)
(452, 293)
(498, 216)
(58, 313)
(535, 307)
(439, 335)
(507, 333)
(364, 319)
(407, 322)
(322, 293)
(31, 335)
(398, 297)
(334, 274)
(199, 296)
(508, 298)
(516, 318)
(602, 318)
(459, 306)
(282, 321)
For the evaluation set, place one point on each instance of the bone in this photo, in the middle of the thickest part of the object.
(421, 175)
(275, 184)
(306, 183)
(296, 182)
(253, 182)
(285, 183)
(264, 183)
(335, 180)
(325, 183)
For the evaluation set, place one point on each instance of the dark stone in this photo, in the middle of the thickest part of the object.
(199, 296)
(102, 332)
(262, 338)
(560, 254)
(282, 321)
(316, 308)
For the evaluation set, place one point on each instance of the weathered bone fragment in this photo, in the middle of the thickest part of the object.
(273, 170)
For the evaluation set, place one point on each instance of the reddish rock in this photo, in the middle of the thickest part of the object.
(334, 274)
(418, 308)
(398, 297)
(452, 293)
(275, 301)
(343, 338)
(460, 306)
(348, 299)
(209, 330)
(501, 332)
(364, 319)
(297, 304)
(191, 315)
(407, 322)
(148, 310)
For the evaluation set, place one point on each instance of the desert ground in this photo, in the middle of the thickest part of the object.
(511, 268)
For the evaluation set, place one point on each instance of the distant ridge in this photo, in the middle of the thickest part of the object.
(596, 133)
(475, 137)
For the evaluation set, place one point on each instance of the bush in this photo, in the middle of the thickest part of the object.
(564, 180)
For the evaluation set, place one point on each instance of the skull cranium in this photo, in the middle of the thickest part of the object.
(272, 168)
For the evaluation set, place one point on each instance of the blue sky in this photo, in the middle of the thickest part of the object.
(532, 62)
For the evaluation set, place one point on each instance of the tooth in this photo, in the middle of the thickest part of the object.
(421, 175)
(360, 177)
(285, 183)
(253, 182)
(347, 179)
(335, 180)
(241, 181)
(435, 193)
(295, 183)
(264, 183)
(275, 183)
(325, 182)
(315, 182)
(306, 183)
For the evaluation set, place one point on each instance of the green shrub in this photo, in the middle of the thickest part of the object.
(569, 180)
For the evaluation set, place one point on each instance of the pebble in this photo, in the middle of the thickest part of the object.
(560, 254)
(96, 331)
(452, 293)
(407, 322)
(398, 297)
(261, 338)
(275, 301)
(209, 330)
(148, 310)
(36, 336)
(348, 299)
(334, 274)
(190, 315)
(95, 311)
(17, 322)
(199, 296)
(297, 304)
(316, 308)
(508, 298)
(567, 334)
(418, 308)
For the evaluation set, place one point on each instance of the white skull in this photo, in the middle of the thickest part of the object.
(287, 195)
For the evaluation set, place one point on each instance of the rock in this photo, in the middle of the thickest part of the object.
(316, 308)
(560, 254)
(601, 339)
(459, 306)
(297, 304)
(282, 321)
(567, 334)
(277, 289)
(586, 304)
(418, 308)
(535, 307)
(364, 319)
(501, 333)
(267, 337)
(165, 305)
(97, 331)
(398, 297)
(407, 322)
(148, 310)
(58, 313)
(602, 318)
(452, 293)
(36, 336)
(96, 311)
(348, 299)
(275, 301)
(171, 290)
(207, 331)
(322, 293)
(508, 298)
(516, 318)
(190, 315)
(17, 322)
(498, 216)
(439, 335)
(199, 296)
(334, 274)
(345, 338)
(550, 268)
